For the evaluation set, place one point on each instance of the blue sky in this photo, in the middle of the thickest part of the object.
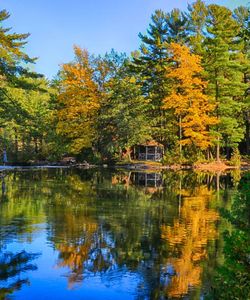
(98, 25)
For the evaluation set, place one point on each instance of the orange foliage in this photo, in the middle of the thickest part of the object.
(188, 99)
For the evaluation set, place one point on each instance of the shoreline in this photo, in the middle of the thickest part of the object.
(137, 166)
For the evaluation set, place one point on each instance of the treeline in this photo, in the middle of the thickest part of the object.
(187, 87)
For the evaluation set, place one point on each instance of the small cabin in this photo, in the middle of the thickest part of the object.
(151, 150)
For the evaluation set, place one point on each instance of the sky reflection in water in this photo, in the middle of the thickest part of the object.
(71, 234)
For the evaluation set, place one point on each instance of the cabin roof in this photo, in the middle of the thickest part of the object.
(151, 143)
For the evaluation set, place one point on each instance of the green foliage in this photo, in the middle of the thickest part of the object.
(123, 120)
(150, 64)
(25, 100)
(225, 74)
(233, 276)
(197, 19)
(103, 106)
(172, 156)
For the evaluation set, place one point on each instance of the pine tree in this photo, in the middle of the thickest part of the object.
(15, 79)
(242, 17)
(225, 76)
(30, 132)
(177, 25)
(197, 21)
(150, 64)
(13, 61)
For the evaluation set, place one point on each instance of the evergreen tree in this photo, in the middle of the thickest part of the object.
(197, 21)
(29, 133)
(15, 78)
(123, 119)
(242, 16)
(225, 76)
(177, 25)
(150, 64)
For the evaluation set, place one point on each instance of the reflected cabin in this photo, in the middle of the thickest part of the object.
(151, 150)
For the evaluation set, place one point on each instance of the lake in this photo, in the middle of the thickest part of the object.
(101, 234)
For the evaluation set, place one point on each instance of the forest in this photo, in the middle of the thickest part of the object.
(186, 87)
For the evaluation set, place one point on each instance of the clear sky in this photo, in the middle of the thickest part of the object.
(98, 25)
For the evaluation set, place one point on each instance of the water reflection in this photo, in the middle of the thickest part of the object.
(144, 235)
(187, 239)
(13, 268)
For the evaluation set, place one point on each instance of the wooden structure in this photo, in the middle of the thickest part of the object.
(151, 150)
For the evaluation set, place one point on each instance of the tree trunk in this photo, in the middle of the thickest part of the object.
(180, 136)
(217, 113)
(208, 154)
(218, 150)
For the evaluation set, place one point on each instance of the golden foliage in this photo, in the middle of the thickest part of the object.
(79, 99)
(189, 236)
(188, 99)
(74, 255)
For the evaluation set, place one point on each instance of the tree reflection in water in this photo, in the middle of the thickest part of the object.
(159, 228)
(88, 244)
(13, 266)
(188, 238)
(86, 252)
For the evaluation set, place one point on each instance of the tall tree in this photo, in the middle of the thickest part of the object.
(187, 98)
(79, 102)
(242, 17)
(12, 56)
(225, 76)
(150, 63)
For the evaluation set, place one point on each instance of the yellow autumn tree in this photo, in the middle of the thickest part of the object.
(79, 102)
(187, 98)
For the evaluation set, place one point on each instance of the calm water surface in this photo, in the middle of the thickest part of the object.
(77, 234)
